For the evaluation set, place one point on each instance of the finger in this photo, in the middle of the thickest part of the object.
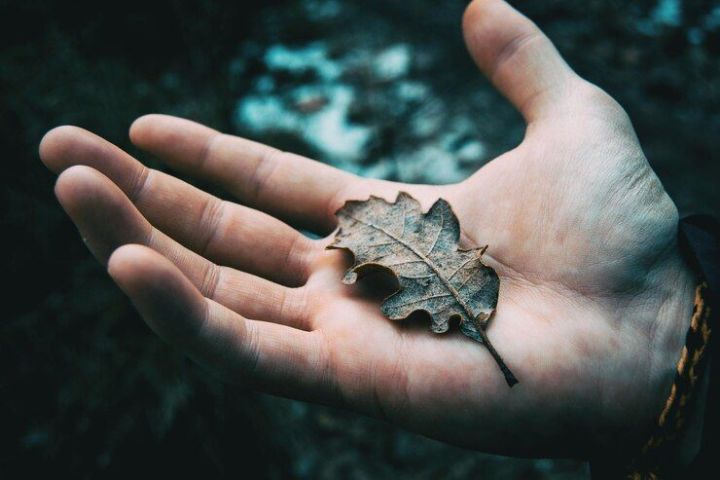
(107, 220)
(227, 233)
(272, 357)
(516, 56)
(296, 189)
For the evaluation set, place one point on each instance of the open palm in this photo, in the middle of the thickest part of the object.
(579, 229)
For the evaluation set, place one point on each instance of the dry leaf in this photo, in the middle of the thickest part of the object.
(421, 250)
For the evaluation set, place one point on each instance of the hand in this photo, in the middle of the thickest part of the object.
(594, 298)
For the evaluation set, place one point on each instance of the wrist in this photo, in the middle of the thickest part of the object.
(676, 434)
(678, 286)
(672, 287)
(677, 322)
(674, 321)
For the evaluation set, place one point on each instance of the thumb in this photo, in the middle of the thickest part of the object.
(516, 56)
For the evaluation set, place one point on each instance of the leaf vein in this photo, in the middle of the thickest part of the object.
(428, 262)
(425, 299)
(439, 232)
(457, 270)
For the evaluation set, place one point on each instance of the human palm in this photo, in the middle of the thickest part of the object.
(579, 230)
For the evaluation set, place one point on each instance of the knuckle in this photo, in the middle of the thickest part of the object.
(139, 184)
(260, 178)
(208, 149)
(210, 219)
(251, 364)
(293, 306)
(210, 280)
(330, 376)
(516, 46)
(299, 257)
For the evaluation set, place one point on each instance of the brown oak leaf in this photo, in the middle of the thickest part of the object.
(422, 251)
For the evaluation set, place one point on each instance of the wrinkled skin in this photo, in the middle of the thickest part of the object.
(594, 297)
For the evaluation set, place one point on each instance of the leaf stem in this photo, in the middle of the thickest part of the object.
(509, 377)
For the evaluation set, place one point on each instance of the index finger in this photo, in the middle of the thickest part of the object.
(303, 192)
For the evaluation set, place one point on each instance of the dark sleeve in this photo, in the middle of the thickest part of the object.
(700, 240)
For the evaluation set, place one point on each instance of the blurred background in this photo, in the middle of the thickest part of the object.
(383, 88)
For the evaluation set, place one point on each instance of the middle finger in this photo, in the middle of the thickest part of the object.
(107, 220)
